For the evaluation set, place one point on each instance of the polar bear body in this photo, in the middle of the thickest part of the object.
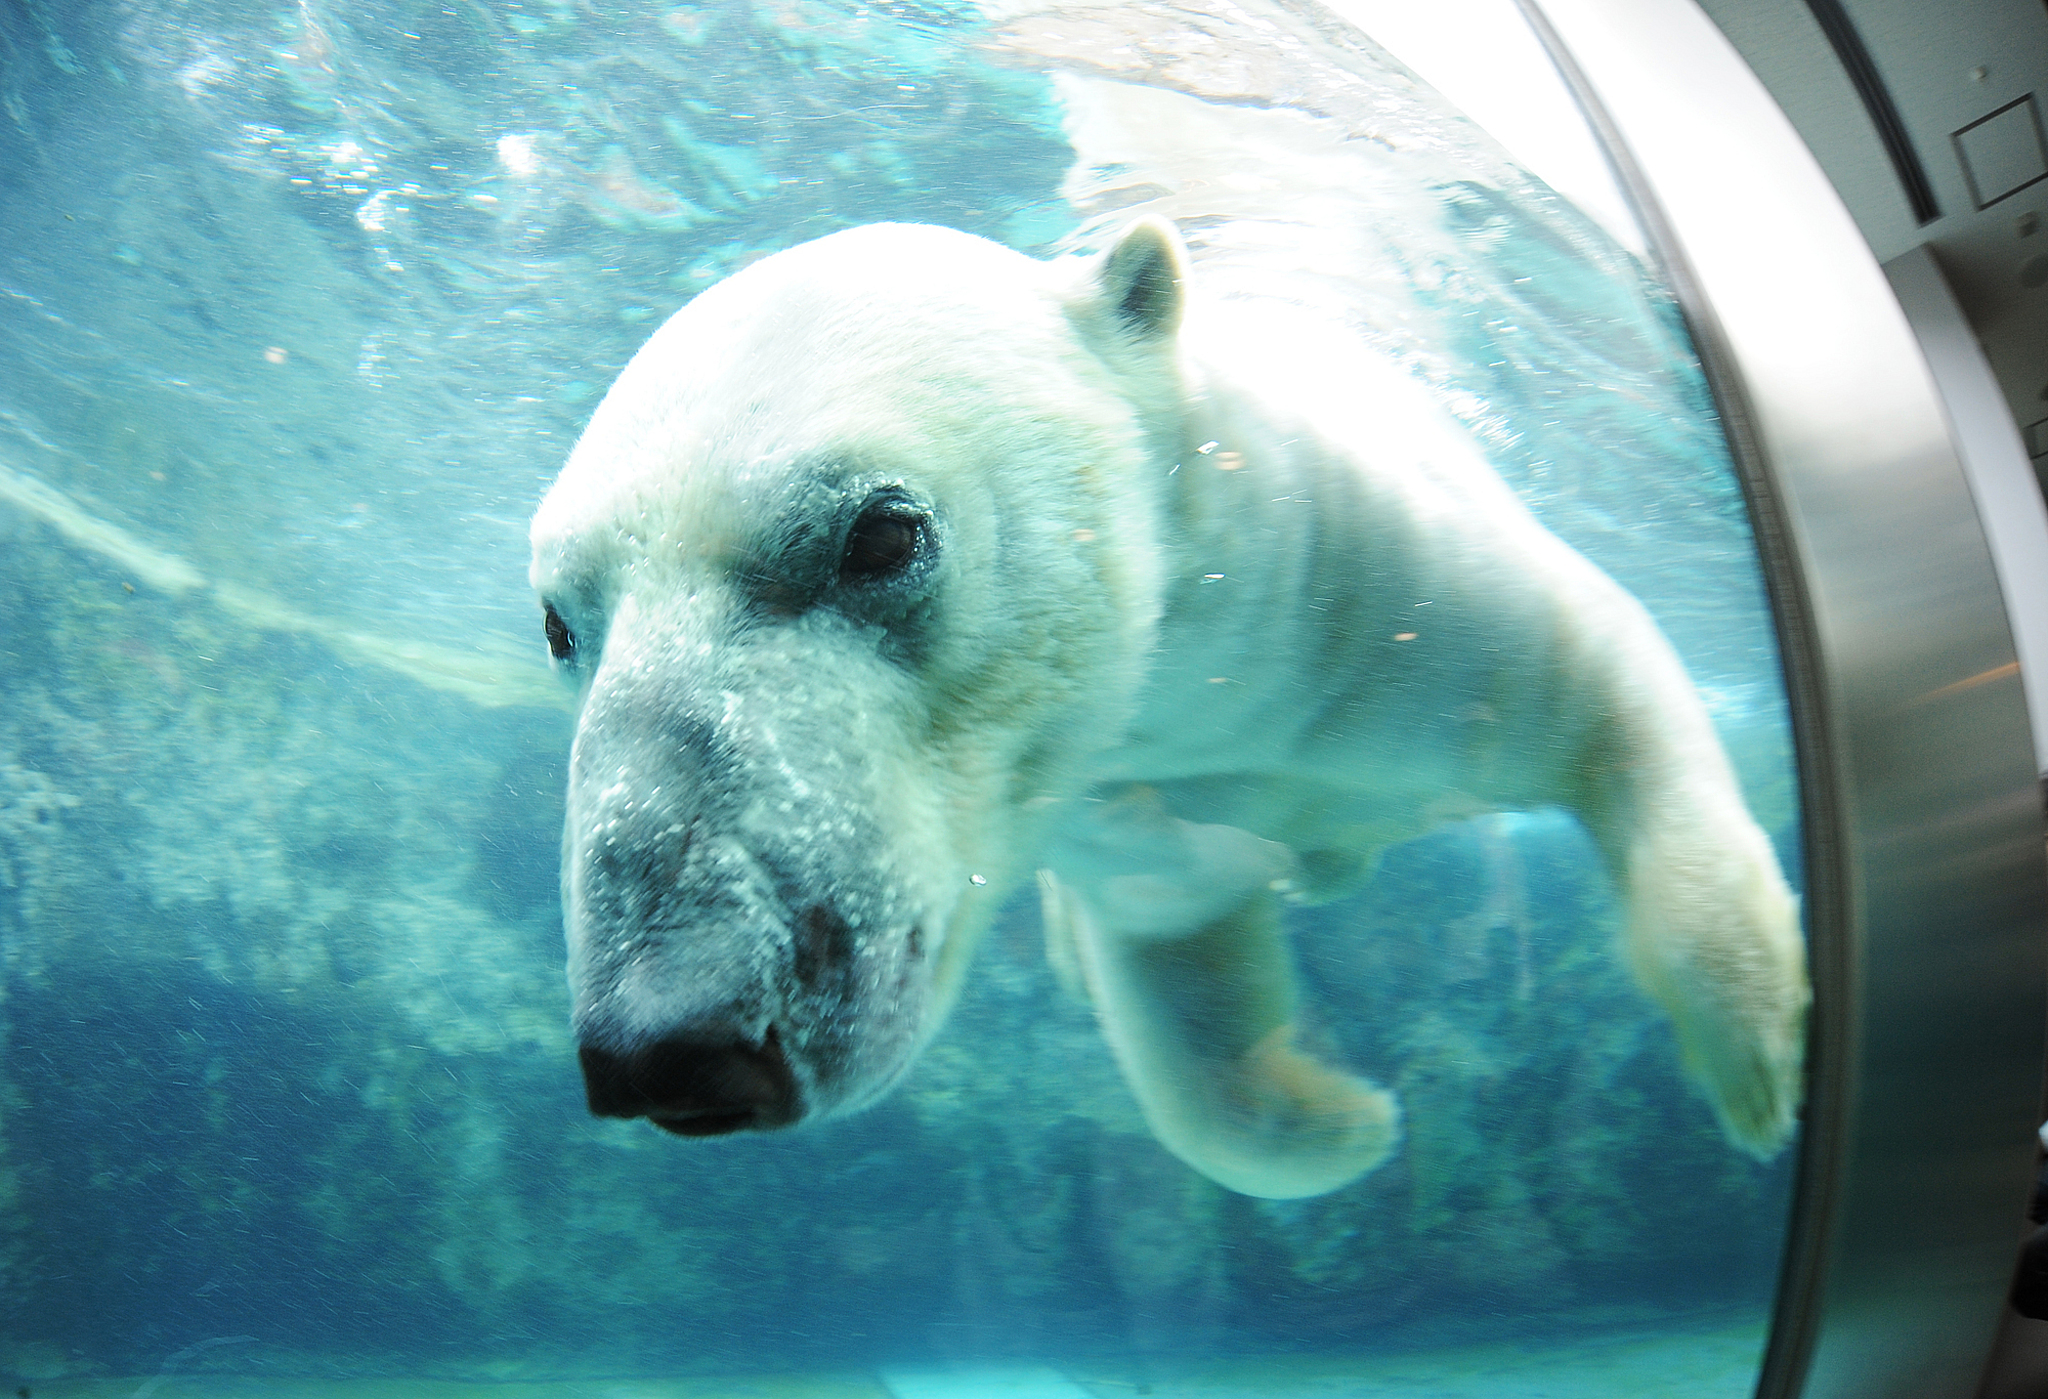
(901, 565)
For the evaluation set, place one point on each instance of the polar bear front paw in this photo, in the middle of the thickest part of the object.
(1714, 935)
(1753, 1078)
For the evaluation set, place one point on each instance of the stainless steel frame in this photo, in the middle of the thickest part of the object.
(1927, 896)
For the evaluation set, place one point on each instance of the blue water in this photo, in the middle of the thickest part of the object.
(309, 302)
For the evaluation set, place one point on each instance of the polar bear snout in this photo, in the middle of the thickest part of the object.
(703, 1085)
(747, 950)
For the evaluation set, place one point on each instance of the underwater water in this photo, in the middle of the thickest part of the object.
(302, 306)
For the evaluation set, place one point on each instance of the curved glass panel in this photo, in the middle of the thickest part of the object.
(1388, 976)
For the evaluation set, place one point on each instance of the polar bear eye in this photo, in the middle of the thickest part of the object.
(882, 541)
(561, 641)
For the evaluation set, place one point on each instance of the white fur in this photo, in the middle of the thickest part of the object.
(1192, 682)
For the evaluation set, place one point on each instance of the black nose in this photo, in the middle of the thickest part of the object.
(694, 1087)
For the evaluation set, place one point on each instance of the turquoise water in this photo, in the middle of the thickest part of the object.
(1672, 1364)
(301, 308)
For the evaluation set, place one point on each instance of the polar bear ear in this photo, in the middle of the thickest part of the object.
(1139, 281)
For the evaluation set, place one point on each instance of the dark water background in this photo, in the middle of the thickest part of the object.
(285, 1044)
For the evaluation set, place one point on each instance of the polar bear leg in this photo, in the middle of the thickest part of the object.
(1713, 934)
(1710, 928)
(1203, 1026)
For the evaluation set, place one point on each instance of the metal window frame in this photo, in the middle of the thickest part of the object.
(1927, 893)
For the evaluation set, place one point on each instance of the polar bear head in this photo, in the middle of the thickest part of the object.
(854, 565)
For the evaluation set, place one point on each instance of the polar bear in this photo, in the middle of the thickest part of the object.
(899, 567)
